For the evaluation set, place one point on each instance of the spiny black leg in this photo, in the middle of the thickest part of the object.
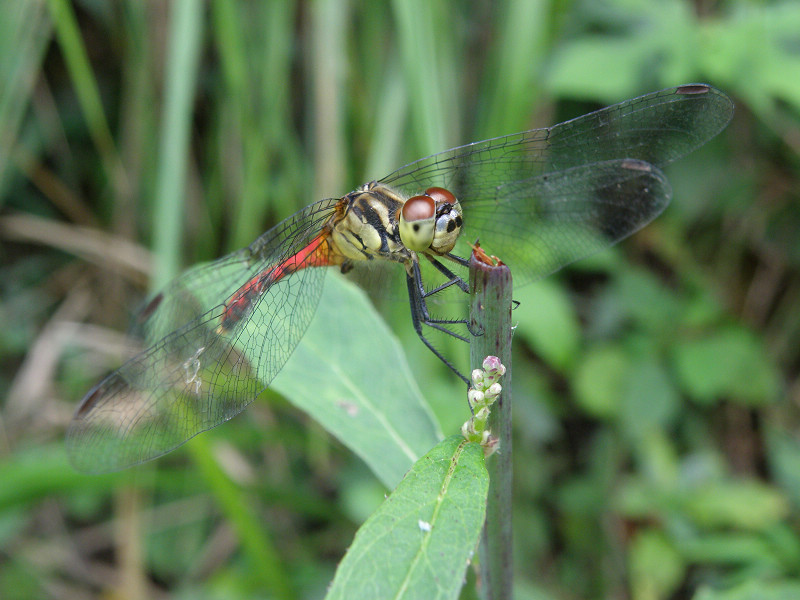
(425, 316)
(418, 316)
(453, 278)
(457, 259)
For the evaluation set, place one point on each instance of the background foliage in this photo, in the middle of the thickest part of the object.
(656, 386)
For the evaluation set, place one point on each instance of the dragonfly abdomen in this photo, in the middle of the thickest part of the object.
(316, 254)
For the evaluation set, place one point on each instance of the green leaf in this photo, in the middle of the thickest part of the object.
(570, 74)
(649, 398)
(731, 548)
(548, 323)
(760, 41)
(729, 363)
(656, 567)
(742, 504)
(647, 301)
(350, 374)
(419, 542)
(600, 380)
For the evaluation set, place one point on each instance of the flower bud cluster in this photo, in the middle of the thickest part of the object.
(484, 392)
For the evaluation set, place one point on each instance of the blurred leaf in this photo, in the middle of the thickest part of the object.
(656, 568)
(658, 459)
(359, 496)
(636, 499)
(350, 374)
(600, 379)
(569, 66)
(753, 590)
(783, 454)
(659, 38)
(727, 363)
(734, 549)
(743, 504)
(547, 321)
(647, 300)
(419, 542)
(21, 580)
(760, 40)
(525, 590)
(649, 398)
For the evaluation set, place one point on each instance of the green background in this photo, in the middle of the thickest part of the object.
(656, 386)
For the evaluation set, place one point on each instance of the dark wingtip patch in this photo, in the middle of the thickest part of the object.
(151, 307)
(693, 89)
(88, 402)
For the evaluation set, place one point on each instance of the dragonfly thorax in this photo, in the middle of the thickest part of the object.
(377, 222)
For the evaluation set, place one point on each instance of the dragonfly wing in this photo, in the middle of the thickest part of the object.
(544, 198)
(541, 224)
(657, 128)
(196, 375)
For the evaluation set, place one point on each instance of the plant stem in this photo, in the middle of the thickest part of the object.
(490, 313)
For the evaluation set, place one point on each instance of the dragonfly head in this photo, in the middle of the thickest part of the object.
(431, 222)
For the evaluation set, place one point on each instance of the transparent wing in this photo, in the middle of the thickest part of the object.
(567, 215)
(547, 197)
(194, 375)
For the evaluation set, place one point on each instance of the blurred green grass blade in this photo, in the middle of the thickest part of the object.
(181, 78)
(512, 84)
(429, 67)
(329, 32)
(34, 474)
(71, 42)
(350, 374)
(266, 569)
(230, 38)
(766, 588)
(285, 172)
(25, 30)
(390, 126)
(241, 53)
(419, 542)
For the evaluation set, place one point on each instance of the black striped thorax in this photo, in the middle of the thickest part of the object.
(366, 225)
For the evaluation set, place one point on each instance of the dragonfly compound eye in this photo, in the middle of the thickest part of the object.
(448, 222)
(418, 222)
(441, 195)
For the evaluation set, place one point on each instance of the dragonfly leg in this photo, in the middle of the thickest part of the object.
(453, 279)
(422, 307)
(420, 316)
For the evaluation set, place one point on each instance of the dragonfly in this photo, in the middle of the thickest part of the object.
(214, 338)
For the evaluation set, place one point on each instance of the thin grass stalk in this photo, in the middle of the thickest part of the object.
(424, 53)
(181, 79)
(88, 91)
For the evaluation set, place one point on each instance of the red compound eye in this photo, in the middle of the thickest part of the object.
(441, 195)
(419, 208)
